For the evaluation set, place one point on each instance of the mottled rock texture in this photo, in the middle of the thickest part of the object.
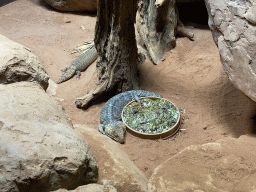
(40, 150)
(91, 188)
(74, 5)
(220, 166)
(18, 63)
(116, 168)
(233, 26)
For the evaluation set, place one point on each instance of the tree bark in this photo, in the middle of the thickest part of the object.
(116, 46)
(158, 24)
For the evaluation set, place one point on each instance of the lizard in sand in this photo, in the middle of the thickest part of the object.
(110, 116)
(88, 56)
(80, 64)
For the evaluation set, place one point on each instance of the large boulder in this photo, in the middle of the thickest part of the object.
(116, 167)
(233, 26)
(18, 63)
(226, 165)
(91, 188)
(40, 150)
(74, 5)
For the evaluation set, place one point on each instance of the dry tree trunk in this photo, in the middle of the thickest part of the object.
(116, 46)
(158, 23)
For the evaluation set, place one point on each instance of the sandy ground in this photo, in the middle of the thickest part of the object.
(190, 75)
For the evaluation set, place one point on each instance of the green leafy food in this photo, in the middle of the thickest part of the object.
(150, 115)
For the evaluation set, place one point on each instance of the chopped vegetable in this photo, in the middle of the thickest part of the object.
(150, 115)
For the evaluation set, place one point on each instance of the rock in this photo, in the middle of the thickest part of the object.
(234, 31)
(74, 5)
(91, 188)
(225, 165)
(52, 88)
(17, 63)
(116, 168)
(40, 150)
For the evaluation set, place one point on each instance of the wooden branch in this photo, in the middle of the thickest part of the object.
(116, 46)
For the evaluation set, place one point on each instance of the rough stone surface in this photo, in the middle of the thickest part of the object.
(40, 150)
(91, 188)
(224, 166)
(52, 88)
(17, 63)
(74, 5)
(125, 176)
(233, 28)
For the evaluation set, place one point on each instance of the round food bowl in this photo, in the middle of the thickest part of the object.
(164, 135)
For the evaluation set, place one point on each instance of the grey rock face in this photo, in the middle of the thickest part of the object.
(74, 5)
(233, 28)
(40, 150)
(17, 63)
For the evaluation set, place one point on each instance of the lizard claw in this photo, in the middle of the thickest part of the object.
(65, 69)
(101, 128)
(78, 74)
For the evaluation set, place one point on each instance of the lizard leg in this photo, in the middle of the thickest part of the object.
(78, 74)
(101, 128)
(137, 98)
(65, 69)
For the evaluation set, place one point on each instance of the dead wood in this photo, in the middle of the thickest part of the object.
(158, 24)
(116, 46)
